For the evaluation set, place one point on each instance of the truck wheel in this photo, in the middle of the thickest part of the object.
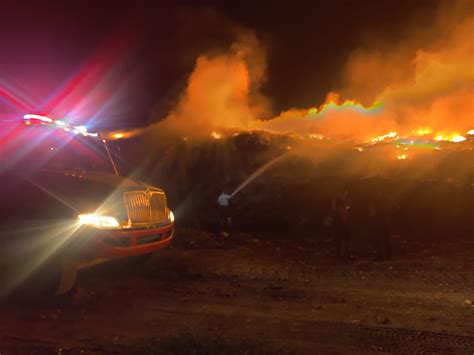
(4, 281)
(54, 277)
(67, 279)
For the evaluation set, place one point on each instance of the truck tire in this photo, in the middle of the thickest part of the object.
(67, 279)
(52, 278)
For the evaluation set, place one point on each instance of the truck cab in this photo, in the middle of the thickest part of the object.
(65, 207)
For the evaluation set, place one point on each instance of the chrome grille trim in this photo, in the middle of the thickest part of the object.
(145, 207)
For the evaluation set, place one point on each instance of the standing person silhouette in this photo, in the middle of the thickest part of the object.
(379, 212)
(225, 211)
(341, 224)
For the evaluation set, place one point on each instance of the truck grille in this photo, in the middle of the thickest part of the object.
(145, 207)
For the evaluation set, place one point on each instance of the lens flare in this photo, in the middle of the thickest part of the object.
(348, 105)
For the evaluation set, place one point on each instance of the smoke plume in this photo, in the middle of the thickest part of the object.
(422, 83)
(223, 91)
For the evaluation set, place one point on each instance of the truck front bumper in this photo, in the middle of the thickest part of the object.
(97, 246)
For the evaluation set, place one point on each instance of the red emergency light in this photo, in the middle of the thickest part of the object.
(34, 118)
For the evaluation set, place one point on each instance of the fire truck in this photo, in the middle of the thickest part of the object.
(64, 207)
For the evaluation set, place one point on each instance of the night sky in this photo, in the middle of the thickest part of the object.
(152, 46)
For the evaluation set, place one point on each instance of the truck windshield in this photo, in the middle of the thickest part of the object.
(44, 148)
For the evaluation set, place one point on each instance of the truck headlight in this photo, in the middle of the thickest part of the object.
(171, 216)
(98, 221)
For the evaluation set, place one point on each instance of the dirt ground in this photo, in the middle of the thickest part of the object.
(251, 295)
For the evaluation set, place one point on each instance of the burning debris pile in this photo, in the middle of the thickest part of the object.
(431, 194)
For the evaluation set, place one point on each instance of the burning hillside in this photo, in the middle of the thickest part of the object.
(419, 93)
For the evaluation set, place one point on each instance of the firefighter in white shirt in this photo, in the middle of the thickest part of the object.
(225, 210)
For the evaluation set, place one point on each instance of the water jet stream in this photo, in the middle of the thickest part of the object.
(259, 172)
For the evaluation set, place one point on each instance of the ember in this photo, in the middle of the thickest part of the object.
(216, 135)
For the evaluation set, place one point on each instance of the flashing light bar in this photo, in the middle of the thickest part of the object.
(38, 117)
(60, 124)
(81, 129)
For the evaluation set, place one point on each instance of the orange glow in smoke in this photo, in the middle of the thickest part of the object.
(422, 131)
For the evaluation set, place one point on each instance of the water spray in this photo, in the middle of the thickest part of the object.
(259, 172)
